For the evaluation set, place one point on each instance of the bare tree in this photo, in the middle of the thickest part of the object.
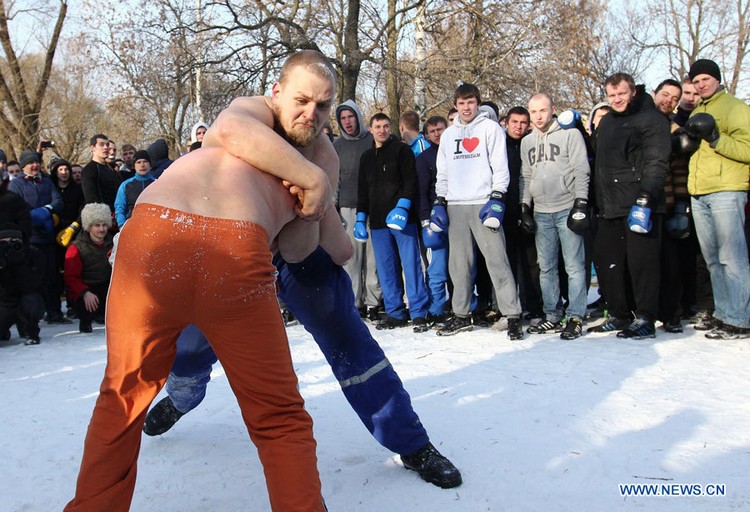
(23, 88)
(682, 31)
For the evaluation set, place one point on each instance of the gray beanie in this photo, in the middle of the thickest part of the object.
(94, 213)
(27, 157)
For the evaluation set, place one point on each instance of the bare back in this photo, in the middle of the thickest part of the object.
(212, 183)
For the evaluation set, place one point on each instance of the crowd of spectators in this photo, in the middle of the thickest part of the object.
(477, 219)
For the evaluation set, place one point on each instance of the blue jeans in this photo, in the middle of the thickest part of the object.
(396, 250)
(719, 223)
(552, 233)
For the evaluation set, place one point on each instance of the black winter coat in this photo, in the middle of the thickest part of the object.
(22, 277)
(632, 155)
(386, 174)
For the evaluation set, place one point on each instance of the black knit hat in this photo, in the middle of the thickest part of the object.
(705, 67)
(57, 164)
(141, 155)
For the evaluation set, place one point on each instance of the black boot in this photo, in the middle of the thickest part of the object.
(515, 329)
(433, 467)
(161, 417)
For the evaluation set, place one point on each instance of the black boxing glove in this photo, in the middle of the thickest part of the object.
(703, 126)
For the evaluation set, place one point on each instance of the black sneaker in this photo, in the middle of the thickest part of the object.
(433, 467)
(610, 324)
(573, 329)
(705, 321)
(596, 309)
(84, 327)
(515, 329)
(674, 325)
(288, 318)
(456, 325)
(436, 321)
(391, 323)
(58, 319)
(479, 320)
(728, 332)
(32, 340)
(373, 315)
(161, 417)
(639, 329)
(362, 311)
(420, 324)
(544, 327)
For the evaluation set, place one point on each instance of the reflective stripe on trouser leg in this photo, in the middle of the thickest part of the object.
(318, 293)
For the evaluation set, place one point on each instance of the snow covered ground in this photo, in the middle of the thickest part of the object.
(535, 425)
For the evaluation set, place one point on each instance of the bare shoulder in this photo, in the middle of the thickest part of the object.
(326, 158)
(258, 107)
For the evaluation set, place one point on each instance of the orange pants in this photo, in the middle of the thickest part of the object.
(173, 269)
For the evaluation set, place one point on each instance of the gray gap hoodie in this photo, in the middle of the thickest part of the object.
(554, 169)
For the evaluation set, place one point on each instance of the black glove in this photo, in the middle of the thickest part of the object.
(526, 220)
(703, 126)
(684, 143)
(678, 225)
(578, 218)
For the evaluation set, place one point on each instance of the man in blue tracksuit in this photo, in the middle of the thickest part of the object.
(387, 186)
(319, 294)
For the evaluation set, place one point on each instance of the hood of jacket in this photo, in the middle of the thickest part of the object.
(158, 151)
(194, 130)
(596, 107)
(642, 100)
(467, 129)
(362, 128)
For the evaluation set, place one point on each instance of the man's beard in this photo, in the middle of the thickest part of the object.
(300, 138)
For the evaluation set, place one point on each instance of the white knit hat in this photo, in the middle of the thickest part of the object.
(94, 213)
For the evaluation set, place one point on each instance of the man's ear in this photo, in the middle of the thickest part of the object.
(275, 89)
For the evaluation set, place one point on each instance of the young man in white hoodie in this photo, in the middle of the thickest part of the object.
(555, 178)
(472, 179)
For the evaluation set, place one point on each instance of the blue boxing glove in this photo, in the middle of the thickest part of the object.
(41, 218)
(360, 227)
(396, 218)
(439, 215)
(493, 211)
(639, 219)
(432, 239)
(568, 119)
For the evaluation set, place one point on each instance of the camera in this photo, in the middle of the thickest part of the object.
(47, 144)
(11, 252)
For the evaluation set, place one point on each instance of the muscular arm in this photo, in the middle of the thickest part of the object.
(245, 130)
(300, 237)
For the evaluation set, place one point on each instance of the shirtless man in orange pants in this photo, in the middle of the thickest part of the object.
(198, 250)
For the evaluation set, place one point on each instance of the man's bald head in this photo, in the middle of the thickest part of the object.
(312, 61)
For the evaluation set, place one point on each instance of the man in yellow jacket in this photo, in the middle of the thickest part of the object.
(718, 184)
